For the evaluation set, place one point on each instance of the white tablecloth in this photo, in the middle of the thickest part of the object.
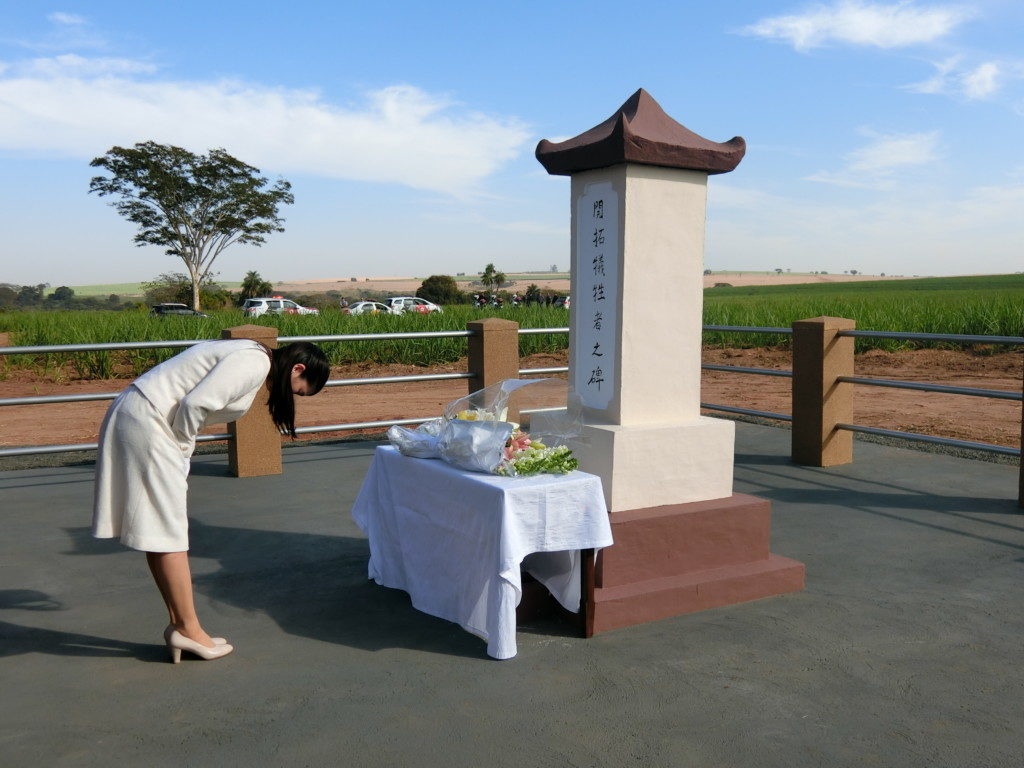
(454, 540)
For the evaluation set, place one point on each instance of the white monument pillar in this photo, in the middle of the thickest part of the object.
(639, 197)
(638, 202)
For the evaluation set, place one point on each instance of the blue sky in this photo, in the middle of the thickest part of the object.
(882, 136)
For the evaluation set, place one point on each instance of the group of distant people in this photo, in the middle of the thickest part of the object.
(481, 300)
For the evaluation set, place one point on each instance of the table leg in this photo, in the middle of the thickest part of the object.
(587, 592)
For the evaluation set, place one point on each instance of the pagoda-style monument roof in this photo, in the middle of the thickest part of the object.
(640, 132)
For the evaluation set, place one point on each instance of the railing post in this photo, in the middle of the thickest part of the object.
(493, 351)
(1020, 487)
(493, 354)
(255, 445)
(820, 402)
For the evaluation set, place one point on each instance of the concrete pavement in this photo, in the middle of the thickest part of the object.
(904, 650)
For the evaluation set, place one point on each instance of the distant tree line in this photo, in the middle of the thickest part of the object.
(14, 297)
(177, 287)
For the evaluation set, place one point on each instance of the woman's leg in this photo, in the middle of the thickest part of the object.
(161, 583)
(174, 580)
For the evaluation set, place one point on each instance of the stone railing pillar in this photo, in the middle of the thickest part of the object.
(493, 355)
(493, 351)
(820, 356)
(255, 445)
(1020, 491)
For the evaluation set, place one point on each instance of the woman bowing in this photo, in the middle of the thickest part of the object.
(146, 443)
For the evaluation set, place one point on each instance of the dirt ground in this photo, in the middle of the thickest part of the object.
(957, 416)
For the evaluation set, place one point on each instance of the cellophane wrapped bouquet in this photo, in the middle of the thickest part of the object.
(474, 433)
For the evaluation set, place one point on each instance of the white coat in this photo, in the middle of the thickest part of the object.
(149, 433)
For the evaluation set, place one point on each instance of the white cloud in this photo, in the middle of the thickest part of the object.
(855, 22)
(69, 19)
(939, 82)
(951, 78)
(78, 107)
(68, 31)
(982, 81)
(887, 153)
(73, 65)
(874, 165)
(975, 81)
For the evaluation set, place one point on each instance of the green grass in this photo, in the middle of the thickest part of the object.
(985, 305)
(917, 285)
(43, 328)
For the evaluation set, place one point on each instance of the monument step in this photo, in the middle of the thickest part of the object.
(661, 598)
(677, 539)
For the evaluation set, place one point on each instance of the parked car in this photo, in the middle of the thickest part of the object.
(562, 301)
(412, 304)
(167, 308)
(368, 308)
(276, 305)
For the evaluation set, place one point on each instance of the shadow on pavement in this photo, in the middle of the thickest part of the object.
(311, 585)
(19, 639)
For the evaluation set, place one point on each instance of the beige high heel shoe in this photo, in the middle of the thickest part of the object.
(177, 642)
(170, 628)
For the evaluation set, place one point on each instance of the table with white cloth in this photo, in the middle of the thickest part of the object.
(454, 540)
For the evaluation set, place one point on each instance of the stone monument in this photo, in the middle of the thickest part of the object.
(683, 540)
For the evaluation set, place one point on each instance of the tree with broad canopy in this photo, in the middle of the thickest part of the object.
(440, 289)
(194, 206)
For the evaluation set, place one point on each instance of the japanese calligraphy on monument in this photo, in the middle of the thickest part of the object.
(596, 294)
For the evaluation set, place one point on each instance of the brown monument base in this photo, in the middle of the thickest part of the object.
(682, 558)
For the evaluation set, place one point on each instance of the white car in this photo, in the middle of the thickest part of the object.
(401, 304)
(368, 308)
(276, 305)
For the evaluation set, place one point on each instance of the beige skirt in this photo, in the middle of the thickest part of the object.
(141, 478)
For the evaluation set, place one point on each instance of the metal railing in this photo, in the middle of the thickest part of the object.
(745, 329)
(174, 343)
(349, 426)
(913, 385)
(104, 347)
(182, 343)
(33, 450)
(741, 369)
(891, 383)
(917, 436)
(958, 338)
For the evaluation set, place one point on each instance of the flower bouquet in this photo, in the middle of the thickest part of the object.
(475, 435)
(523, 455)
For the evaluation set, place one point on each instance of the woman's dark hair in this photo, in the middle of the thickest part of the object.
(282, 360)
